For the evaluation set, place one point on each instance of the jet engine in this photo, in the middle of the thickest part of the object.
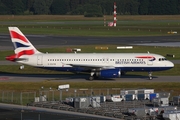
(109, 73)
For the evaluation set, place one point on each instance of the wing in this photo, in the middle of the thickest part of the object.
(87, 66)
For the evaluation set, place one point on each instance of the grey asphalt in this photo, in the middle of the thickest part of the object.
(43, 41)
(82, 78)
(167, 44)
(21, 113)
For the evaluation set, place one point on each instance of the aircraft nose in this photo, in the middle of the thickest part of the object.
(171, 64)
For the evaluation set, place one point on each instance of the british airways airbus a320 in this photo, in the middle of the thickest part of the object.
(105, 65)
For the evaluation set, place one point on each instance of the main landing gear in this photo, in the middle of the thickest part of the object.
(91, 78)
(150, 75)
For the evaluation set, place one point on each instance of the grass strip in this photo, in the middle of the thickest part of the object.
(34, 86)
(81, 17)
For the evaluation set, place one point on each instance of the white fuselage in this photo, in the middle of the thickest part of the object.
(123, 61)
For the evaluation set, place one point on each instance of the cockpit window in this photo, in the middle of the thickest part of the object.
(162, 59)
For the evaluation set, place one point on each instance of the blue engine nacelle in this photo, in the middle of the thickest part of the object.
(109, 73)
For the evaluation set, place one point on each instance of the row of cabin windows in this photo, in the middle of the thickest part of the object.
(95, 60)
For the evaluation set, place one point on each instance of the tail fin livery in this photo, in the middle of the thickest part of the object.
(22, 46)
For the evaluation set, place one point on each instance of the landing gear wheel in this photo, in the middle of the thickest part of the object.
(150, 76)
(123, 73)
(21, 67)
(91, 78)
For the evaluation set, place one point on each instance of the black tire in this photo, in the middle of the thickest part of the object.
(91, 78)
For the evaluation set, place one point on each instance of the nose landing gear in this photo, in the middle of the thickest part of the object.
(150, 75)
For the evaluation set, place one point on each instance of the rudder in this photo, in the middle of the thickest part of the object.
(20, 41)
(22, 46)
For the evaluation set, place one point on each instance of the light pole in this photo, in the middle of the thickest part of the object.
(67, 90)
(60, 90)
(176, 112)
(75, 92)
(41, 90)
(52, 93)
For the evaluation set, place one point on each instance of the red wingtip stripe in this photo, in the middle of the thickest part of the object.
(18, 36)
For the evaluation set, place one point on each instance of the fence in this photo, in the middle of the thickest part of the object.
(51, 94)
(17, 97)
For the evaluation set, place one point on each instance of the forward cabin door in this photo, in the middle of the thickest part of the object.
(40, 60)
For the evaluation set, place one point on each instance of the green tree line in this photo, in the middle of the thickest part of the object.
(89, 8)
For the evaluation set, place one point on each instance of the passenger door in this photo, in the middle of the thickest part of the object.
(40, 60)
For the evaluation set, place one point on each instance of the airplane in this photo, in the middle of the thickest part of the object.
(99, 65)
